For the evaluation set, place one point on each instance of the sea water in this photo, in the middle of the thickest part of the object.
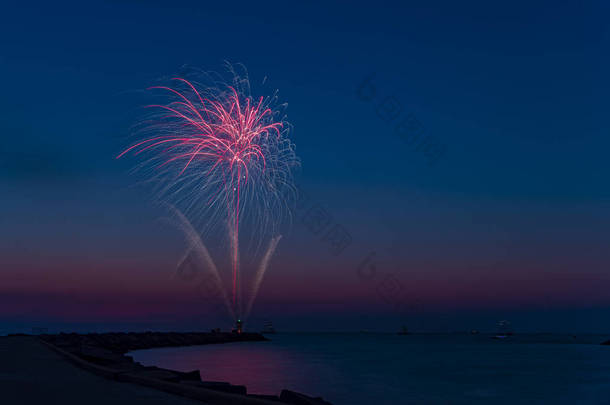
(368, 368)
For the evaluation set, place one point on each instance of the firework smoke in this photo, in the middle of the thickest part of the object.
(195, 246)
(260, 273)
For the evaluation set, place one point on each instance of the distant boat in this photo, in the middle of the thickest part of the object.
(268, 328)
(404, 331)
(504, 330)
(474, 332)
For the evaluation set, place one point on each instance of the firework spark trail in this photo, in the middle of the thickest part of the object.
(260, 273)
(226, 146)
(236, 282)
(196, 245)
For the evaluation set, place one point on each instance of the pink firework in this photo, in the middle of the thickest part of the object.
(219, 149)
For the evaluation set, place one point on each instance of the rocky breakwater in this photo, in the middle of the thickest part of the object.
(104, 354)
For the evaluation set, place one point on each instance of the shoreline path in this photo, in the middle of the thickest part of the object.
(31, 373)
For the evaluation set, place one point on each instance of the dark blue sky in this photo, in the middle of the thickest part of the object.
(511, 221)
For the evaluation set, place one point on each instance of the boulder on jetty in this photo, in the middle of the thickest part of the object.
(100, 356)
(295, 398)
(265, 397)
(220, 386)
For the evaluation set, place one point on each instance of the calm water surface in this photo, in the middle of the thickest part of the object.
(359, 369)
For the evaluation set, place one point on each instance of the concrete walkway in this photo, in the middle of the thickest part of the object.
(31, 373)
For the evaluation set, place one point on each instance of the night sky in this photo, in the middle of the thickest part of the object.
(461, 146)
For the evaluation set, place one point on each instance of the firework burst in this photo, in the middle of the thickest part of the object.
(222, 155)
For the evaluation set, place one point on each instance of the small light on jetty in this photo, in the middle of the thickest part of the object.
(238, 326)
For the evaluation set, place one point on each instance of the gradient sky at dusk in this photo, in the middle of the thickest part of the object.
(512, 222)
